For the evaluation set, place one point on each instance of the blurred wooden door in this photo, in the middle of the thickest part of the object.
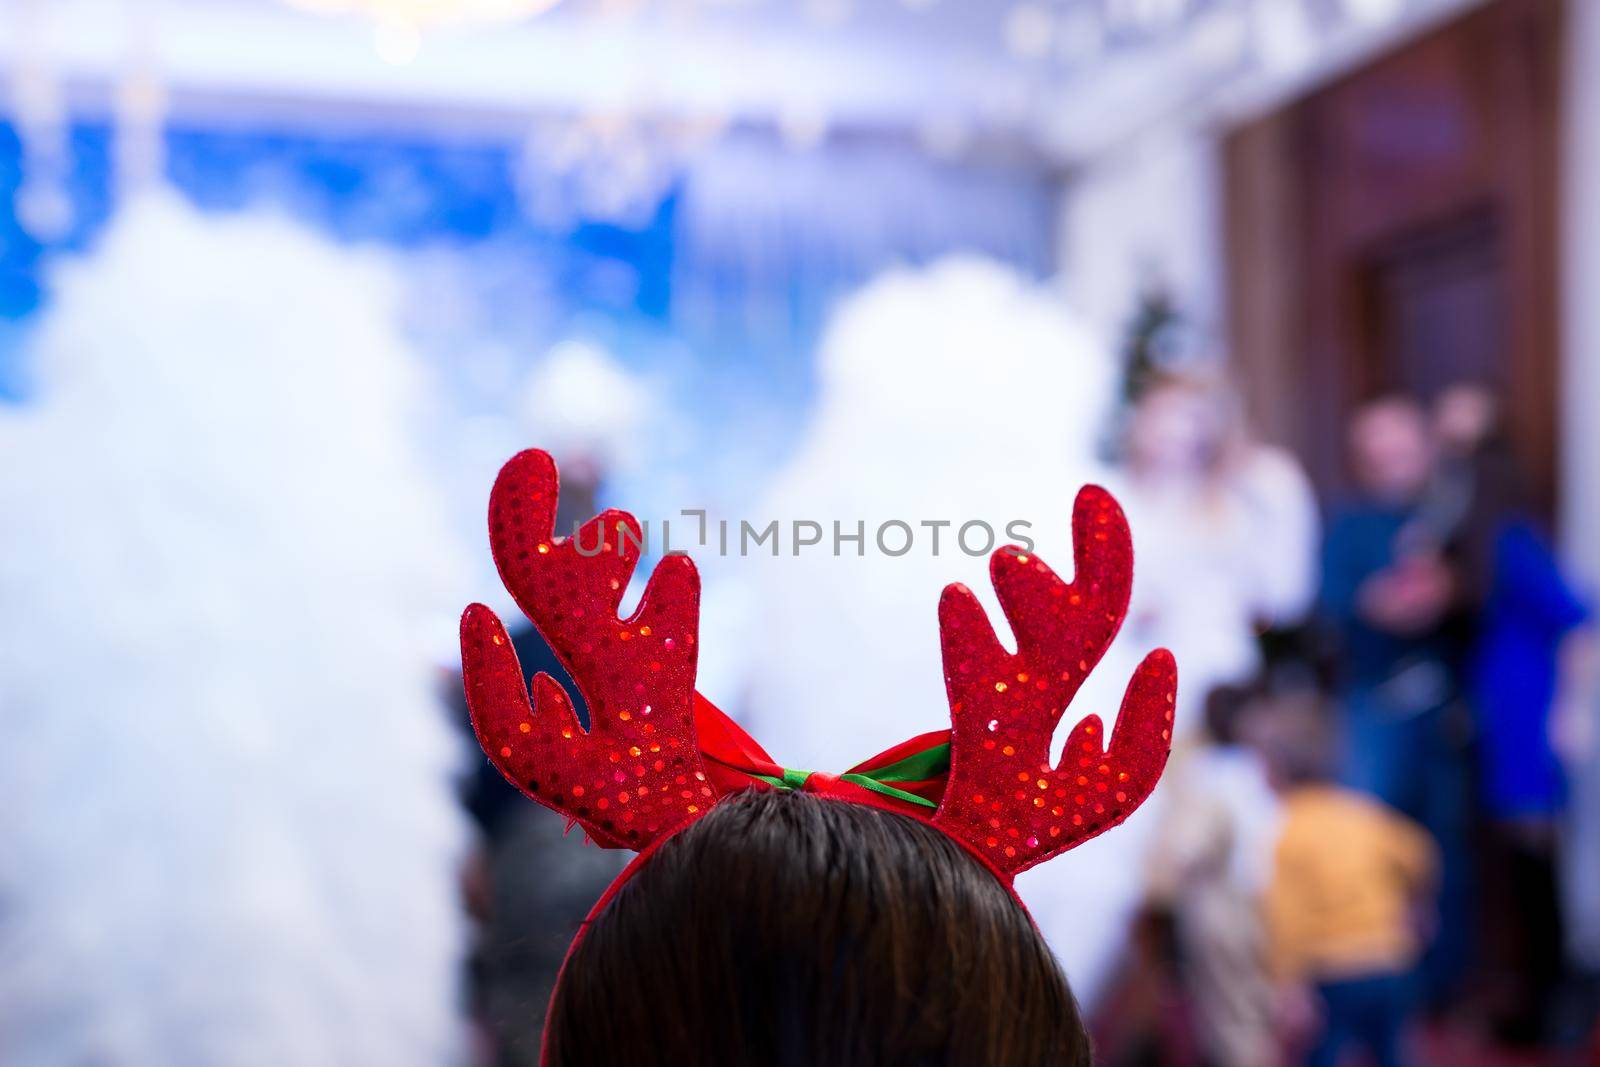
(1434, 304)
(1396, 231)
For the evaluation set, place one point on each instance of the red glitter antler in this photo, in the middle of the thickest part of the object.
(636, 774)
(1003, 798)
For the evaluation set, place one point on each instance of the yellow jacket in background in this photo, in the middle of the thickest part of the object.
(1347, 873)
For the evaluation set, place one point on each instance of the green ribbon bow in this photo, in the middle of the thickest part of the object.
(930, 763)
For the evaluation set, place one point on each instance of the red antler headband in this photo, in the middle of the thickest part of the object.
(657, 755)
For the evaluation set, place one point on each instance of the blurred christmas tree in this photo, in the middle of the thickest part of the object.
(1157, 342)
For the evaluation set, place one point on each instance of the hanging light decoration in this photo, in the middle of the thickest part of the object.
(607, 167)
(43, 200)
(400, 23)
(431, 12)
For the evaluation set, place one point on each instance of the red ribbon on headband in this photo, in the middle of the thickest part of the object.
(909, 777)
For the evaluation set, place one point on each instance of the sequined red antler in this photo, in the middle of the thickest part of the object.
(1003, 797)
(636, 774)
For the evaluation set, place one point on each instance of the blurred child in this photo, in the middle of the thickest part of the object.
(1212, 857)
(1342, 903)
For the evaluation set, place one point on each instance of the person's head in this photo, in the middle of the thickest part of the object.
(788, 928)
(1391, 449)
(1180, 426)
(1228, 708)
(1290, 733)
(1466, 417)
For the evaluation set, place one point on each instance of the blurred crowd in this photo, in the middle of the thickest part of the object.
(1378, 838)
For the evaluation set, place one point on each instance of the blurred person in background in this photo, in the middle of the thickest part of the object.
(1391, 595)
(1475, 485)
(1350, 878)
(1227, 532)
(1226, 537)
(1575, 724)
(1531, 640)
(1209, 869)
(529, 882)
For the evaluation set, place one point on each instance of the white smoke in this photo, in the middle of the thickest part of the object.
(229, 836)
(962, 393)
(584, 406)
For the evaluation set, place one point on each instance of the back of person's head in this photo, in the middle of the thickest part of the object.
(1227, 707)
(1290, 731)
(787, 928)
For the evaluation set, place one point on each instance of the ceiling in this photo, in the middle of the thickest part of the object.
(1063, 77)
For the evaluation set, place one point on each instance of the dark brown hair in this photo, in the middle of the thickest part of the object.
(785, 928)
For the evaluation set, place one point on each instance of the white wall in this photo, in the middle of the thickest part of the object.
(1148, 209)
(1580, 232)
